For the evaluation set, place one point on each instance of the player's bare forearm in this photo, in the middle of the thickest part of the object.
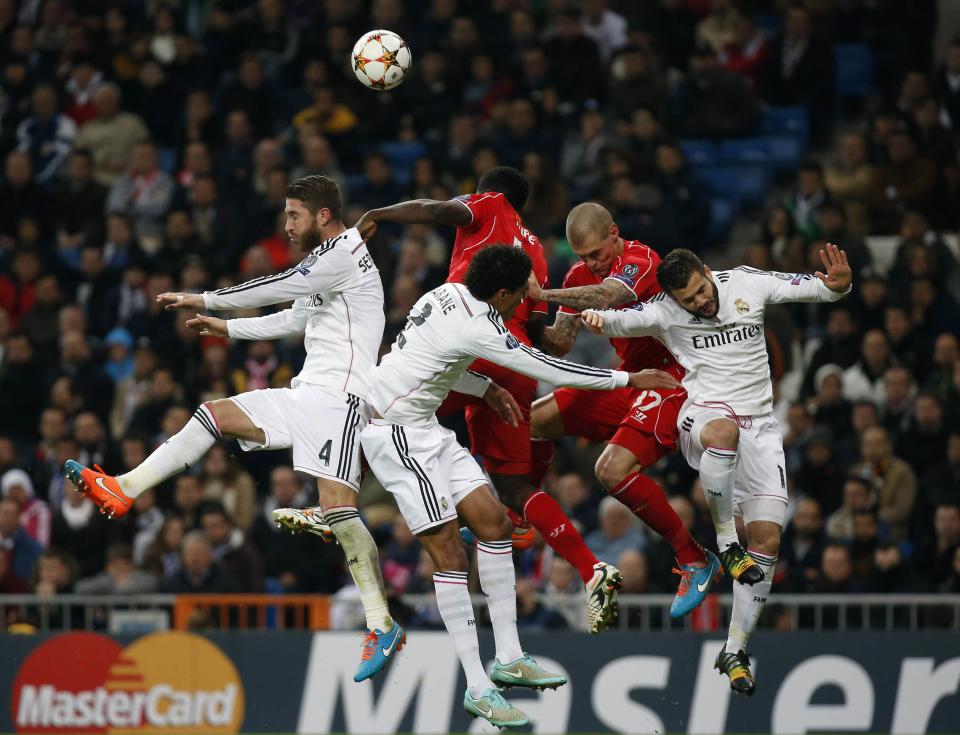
(604, 295)
(422, 212)
(559, 339)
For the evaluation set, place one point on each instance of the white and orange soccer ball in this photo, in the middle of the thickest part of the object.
(381, 59)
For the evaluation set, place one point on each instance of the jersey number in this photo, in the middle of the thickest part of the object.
(415, 320)
(325, 452)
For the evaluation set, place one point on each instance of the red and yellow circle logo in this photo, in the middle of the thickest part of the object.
(161, 683)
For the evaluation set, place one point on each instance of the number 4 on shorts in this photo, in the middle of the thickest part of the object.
(325, 452)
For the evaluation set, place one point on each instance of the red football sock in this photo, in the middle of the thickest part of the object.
(541, 455)
(647, 500)
(545, 514)
(515, 519)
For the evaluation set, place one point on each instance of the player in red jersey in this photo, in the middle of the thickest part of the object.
(641, 426)
(487, 218)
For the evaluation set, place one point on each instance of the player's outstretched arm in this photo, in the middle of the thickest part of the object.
(415, 212)
(831, 284)
(286, 323)
(643, 320)
(604, 295)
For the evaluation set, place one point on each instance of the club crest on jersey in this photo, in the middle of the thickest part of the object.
(512, 342)
(630, 270)
(742, 306)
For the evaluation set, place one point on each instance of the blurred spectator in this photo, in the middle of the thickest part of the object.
(866, 538)
(864, 381)
(574, 59)
(162, 556)
(10, 584)
(20, 196)
(21, 387)
(74, 198)
(34, 513)
(899, 389)
(580, 156)
(143, 193)
(800, 69)
(23, 550)
(225, 482)
(894, 483)
(685, 198)
(54, 574)
(836, 572)
(810, 196)
(924, 443)
(187, 499)
(606, 27)
(840, 347)
(851, 179)
(46, 136)
(533, 614)
(111, 135)
(637, 82)
(319, 160)
(802, 545)
(907, 181)
(833, 228)
(819, 475)
(547, 206)
(889, 573)
(941, 482)
(199, 572)
(616, 533)
(828, 407)
(719, 103)
(327, 114)
(231, 548)
(745, 51)
(947, 84)
(857, 498)
(121, 577)
(935, 558)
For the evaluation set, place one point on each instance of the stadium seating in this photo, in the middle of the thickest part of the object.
(793, 121)
(748, 182)
(854, 70)
(402, 155)
(699, 152)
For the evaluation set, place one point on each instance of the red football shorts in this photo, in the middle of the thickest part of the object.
(642, 421)
(505, 449)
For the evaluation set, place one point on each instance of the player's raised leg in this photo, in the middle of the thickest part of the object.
(210, 422)
(619, 472)
(720, 438)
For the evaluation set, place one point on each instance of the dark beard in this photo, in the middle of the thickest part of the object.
(311, 239)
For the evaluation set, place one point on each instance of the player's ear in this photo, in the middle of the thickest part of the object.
(707, 271)
(614, 231)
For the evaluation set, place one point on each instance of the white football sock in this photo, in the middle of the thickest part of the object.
(717, 471)
(499, 583)
(748, 603)
(456, 609)
(176, 454)
(363, 560)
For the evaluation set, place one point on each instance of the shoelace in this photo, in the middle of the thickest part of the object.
(370, 644)
(686, 577)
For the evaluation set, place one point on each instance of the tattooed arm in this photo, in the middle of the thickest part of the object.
(601, 296)
(558, 339)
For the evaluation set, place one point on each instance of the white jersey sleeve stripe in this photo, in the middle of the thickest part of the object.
(570, 367)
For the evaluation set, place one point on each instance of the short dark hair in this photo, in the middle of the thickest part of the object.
(811, 166)
(317, 192)
(675, 269)
(496, 267)
(507, 181)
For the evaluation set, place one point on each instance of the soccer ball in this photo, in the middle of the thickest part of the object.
(381, 59)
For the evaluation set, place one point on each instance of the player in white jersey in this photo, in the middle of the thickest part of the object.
(713, 324)
(434, 479)
(338, 305)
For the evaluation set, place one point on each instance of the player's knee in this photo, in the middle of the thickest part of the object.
(495, 528)
(609, 472)
(720, 433)
(222, 414)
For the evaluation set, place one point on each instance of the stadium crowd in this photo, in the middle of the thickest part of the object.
(147, 148)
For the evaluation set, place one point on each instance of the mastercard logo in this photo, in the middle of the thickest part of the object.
(167, 682)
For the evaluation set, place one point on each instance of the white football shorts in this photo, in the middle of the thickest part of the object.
(425, 468)
(760, 487)
(321, 424)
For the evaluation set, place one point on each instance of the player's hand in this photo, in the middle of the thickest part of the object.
(506, 406)
(593, 321)
(647, 379)
(837, 274)
(366, 226)
(177, 300)
(534, 291)
(208, 326)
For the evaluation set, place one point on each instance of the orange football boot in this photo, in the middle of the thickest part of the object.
(101, 488)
